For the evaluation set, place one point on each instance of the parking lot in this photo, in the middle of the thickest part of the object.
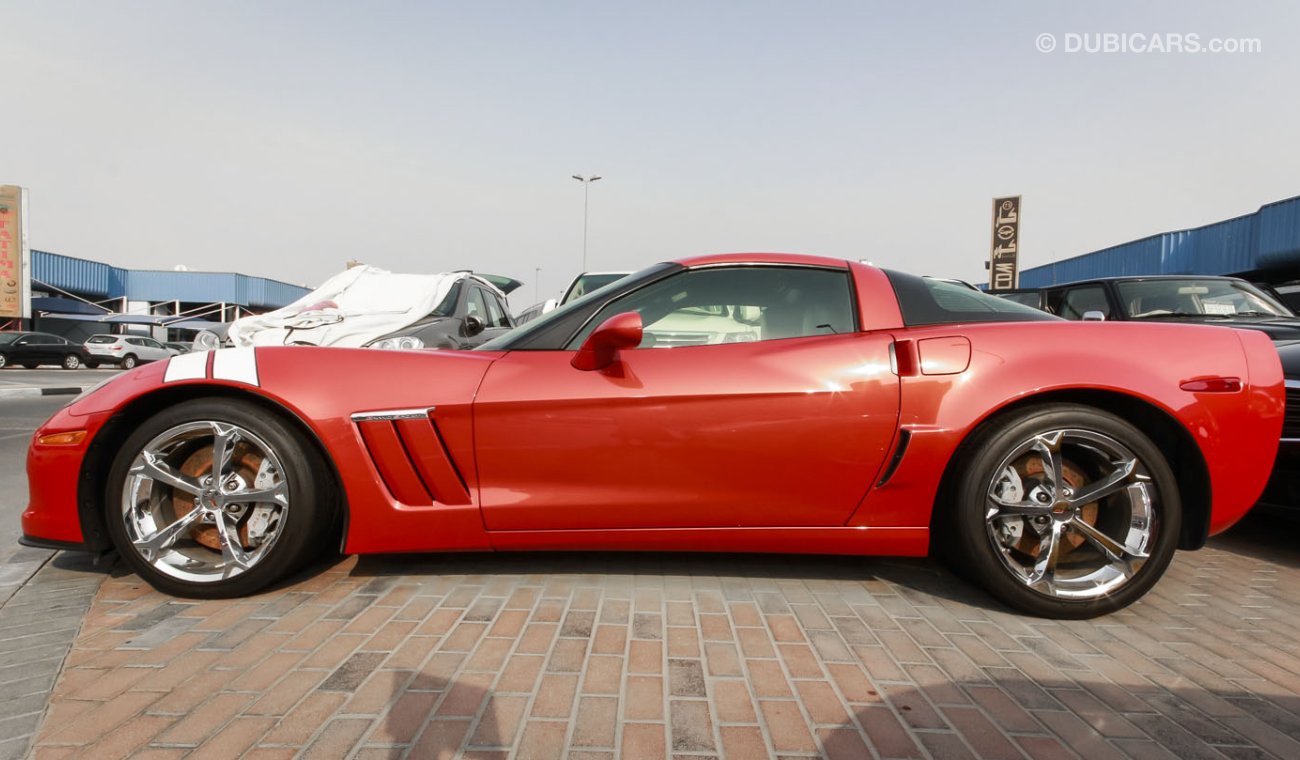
(645, 655)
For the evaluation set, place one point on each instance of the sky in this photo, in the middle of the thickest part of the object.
(282, 139)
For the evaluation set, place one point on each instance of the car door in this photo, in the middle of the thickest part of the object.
(786, 427)
(27, 350)
(156, 350)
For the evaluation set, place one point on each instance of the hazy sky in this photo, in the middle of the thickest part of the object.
(283, 138)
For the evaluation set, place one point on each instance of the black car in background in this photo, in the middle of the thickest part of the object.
(473, 312)
(32, 349)
(1203, 300)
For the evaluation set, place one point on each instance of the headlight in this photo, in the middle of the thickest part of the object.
(403, 343)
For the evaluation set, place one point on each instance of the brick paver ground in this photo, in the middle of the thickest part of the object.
(692, 656)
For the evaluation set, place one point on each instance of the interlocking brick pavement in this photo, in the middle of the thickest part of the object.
(689, 656)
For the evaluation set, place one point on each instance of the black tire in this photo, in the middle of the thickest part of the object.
(129, 361)
(4, 361)
(31, 366)
(72, 361)
(307, 520)
(92, 365)
(992, 521)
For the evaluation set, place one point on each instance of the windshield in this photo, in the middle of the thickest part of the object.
(1186, 297)
(7, 338)
(546, 321)
(448, 305)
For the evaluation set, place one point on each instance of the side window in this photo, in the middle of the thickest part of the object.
(1075, 302)
(134, 341)
(736, 305)
(476, 306)
(496, 313)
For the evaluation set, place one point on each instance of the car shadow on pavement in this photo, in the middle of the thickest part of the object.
(1265, 535)
(912, 578)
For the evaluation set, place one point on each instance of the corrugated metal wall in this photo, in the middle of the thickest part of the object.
(93, 280)
(1266, 239)
(89, 279)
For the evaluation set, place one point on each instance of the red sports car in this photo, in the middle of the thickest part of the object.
(863, 411)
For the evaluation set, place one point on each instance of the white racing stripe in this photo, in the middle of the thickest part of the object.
(187, 367)
(237, 364)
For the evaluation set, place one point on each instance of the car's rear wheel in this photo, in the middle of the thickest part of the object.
(217, 498)
(72, 361)
(1064, 511)
(92, 365)
(128, 361)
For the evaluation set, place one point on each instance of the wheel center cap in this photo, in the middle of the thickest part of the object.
(1061, 508)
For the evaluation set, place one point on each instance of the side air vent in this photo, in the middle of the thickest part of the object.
(409, 453)
(1291, 423)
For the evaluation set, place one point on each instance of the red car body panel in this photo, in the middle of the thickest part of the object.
(768, 446)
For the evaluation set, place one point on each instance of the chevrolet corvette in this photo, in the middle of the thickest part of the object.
(1057, 464)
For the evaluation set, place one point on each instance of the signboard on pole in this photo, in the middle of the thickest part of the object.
(15, 259)
(1004, 266)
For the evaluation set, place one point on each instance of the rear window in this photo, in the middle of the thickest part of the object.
(102, 339)
(925, 301)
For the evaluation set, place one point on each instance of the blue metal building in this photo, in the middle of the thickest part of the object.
(1263, 246)
(76, 297)
(95, 281)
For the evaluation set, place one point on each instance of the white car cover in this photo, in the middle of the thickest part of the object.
(352, 308)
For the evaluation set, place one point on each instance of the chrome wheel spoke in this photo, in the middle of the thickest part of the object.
(152, 466)
(150, 545)
(1116, 551)
(232, 550)
(1044, 571)
(224, 438)
(1048, 448)
(1106, 486)
(1002, 508)
(277, 494)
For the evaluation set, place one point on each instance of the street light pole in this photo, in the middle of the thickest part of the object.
(537, 280)
(586, 186)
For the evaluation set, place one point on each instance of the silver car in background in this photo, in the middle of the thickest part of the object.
(126, 350)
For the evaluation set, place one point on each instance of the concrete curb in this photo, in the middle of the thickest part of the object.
(29, 391)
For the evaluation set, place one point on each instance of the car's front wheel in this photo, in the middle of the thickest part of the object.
(1064, 511)
(217, 498)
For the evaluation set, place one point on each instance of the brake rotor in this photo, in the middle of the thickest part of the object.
(1032, 467)
(244, 463)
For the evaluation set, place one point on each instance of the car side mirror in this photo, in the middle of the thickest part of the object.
(1093, 316)
(601, 348)
(473, 326)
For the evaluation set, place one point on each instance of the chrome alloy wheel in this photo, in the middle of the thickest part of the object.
(1072, 514)
(204, 501)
